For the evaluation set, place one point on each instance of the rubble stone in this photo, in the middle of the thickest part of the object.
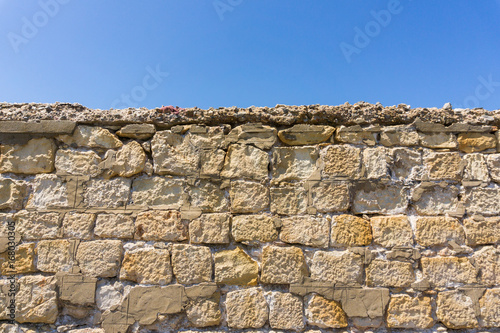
(438, 231)
(77, 162)
(78, 225)
(282, 265)
(210, 229)
(409, 312)
(253, 228)
(486, 231)
(107, 192)
(302, 134)
(484, 201)
(487, 262)
(350, 230)
(305, 230)
(285, 311)
(160, 226)
(248, 197)
(391, 231)
(36, 156)
(338, 267)
(380, 198)
(114, 226)
(448, 271)
(24, 260)
(235, 267)
(158, 192)
(324, 313)
(341, 161)
(444, 166)
(475, 142)
(246, 308)
(293, 163)
(288, 200)
(191, 264)
(244, 161)
(385, 273)
(100, 258)
(55, 255)
(173, 154)
(330, 197)
(92, 137)
(261, 136)
(490, 308)
(12, 193)
(456, 310)
(147, 266)
(438, 140)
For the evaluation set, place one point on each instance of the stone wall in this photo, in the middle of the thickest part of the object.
(317, 218)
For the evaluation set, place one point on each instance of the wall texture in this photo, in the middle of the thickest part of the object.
(312, 218)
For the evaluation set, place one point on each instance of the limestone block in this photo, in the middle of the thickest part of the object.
(350, 230)
(106, 192)
(251, 229)
(338, 267)
(330, 197)
(248, 197)
(438, 231)
(304, 134)
(288, 200)
(92, 137)
(208, 197)
(159, 225)
(306, 230)
(211, 162)
(147, 265)
(36, 300)
(475, 168)
(293, 163)
(405, 163)
(444, 166)
(398, 136)
(7, 225)
(448, 271)
(246, 308)
(77, 162)
(391, 231)
(87, 330)
(204, 313)
(244, 161)
(355, 135)
(365, 303)
(456, 310)
(485, 201)
(24, 260)
(493, 161)
(100, 258)
(370, 198)
(487, 262)
(114, 226)
(475, 142)
(173, 154)
(12, 193)
(109, 296)
(341, 161)
(210, 229)
(78, 225)
(490, 308)
(235, 267)
(127, 161)
(436, 200)
(158, 192)
(49, 191)
(285, 311)
(76, 288)
(261, 136)
(486, 231)
(324, 313)
(36, 226)
(191, 264)
(385, 273)
(375, 163)
(55, 255)
(206, 137)
(137, 131)
(408, 312)
(36, 156)
(438, 140)
(37, 126)
(282, 265)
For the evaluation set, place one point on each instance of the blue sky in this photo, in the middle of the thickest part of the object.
(212, 53)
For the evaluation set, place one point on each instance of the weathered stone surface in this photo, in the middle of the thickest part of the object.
(436, 200)
(235, 267)
(100, 258)
(191, 264)
(127, 161)
(244, 161)
(385, 273)
(288, 200)
(49, 191)
(448, 271)
(350, 230)
(438, 231)
(109, 296)
(24, 260)
(36, 226)
(484, 201)
(137, 131)
(159, 192)
(338, 267)
(490, 308)
(410, 312)
(38, 127)
(55, 255)
(204, 313)
(246, 308)
(78, 225)
(444, 166)
(475, 168)
(375, 163)
(261, 136)
(285, 311)
(456, 310)
(160, 226)
(147, 265)
(391, 231)
(36, 156)
(282, 265)
(208, 197)
(330, 197)
(39, 306)
(372, 198)
(356, 135)
(293, 163)
(106, 192)
(210, 229)
(77, 162)
(7, 224)
(114, 226)
(303, 134)
(206, 137)
(438, 140)
(406, 164)
(368, 303)
(398, 136)
(324, 313)
(173, 154)
(87, 330)
(341, 161)
(211, 162)
(493, 161)
(251, 229)
(474, 142)
(482, 232)
(248, 197)
(12, 193)
(305, 230)
(76, 288)
(487, 261)
(92, 137)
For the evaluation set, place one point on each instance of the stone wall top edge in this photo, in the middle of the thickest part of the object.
(281, 115)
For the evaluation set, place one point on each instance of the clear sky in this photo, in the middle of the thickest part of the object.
(120, 53)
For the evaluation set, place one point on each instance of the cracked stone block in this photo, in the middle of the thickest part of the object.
(490, 308)
(174, 154)
(448, 271)
(438, 231)
(341, 161)
(248, 197)
(55, 255)
(159, 225)
(337, 267)
(110, 193)
(208, 197)
(35, 226)
(330, 197)
(444, 166)
(350, 230)
(261, 136)
(24, 260)
(436, 200)
(100, 258)
(251, 229)
(147, 266)
(36, 156)
(246, 308)
(288, 200)
(282, 265)
(375, 163)
(486, 231)
(204, 313)
(324, 313)
(158, 192)
(210, 229)
(391, 231)
(114, 226)
(409, 312)
(78, 225)
(487, 261)
(372, 198)
(76, 288)
(191, 264)
(77, 162)
(485, 201)
(49, 191)
(285, 311)
(91, 137)
(475, 142)
(476, 168)
(456, 310)
(293, 163)
(12, 193)
(305, 134)
(235, 267)
(306, 230)
(244, 161)
(385, 273)
(438, 140)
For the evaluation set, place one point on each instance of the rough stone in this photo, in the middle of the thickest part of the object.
(391, 231)
(244, 161)
(438, 140)
(487, 262)
(191, 264)
(12, 193)
(448, 271)
(206, 137)
(398, 136)
(174, 154)
(364, 303)
(38, 127)
(337, 267)
(147, 265)
(76, 288)
(36, 300)
(204, 313)
(36, 226)
(406, 164)
(114, 226)
(475, 142)
(288, 200)
(49, 191)
(246, 308)
(92, 137)
(350, 230)
(484, 201)
(436, 200)
(235, 267)
(485, 231)
(248, 197)
(7, 223)
(78, 225)
(137, 131)
(208, 197)
(324, 313)
(438, 231)
(330, 197)
(127, 161)
(100, 258)
(493, 161)
(109, 296)
(160, 226)
(251, 229)
(55, 255)
(372, 198)
(475, 168)
(77, 162)
(210, 229)
(409, 312)
(305, 230)
(385, 273)
(444, 166)
(24, 260)
(456, 310)
(375, 163)
(282, 265)
(36, 156)
(490, 308)
(158, 192)
(285, 311)
(341, 161)
(211, 162)
(106, 192)
(261, 136)
(293, 163)
(303, 134)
